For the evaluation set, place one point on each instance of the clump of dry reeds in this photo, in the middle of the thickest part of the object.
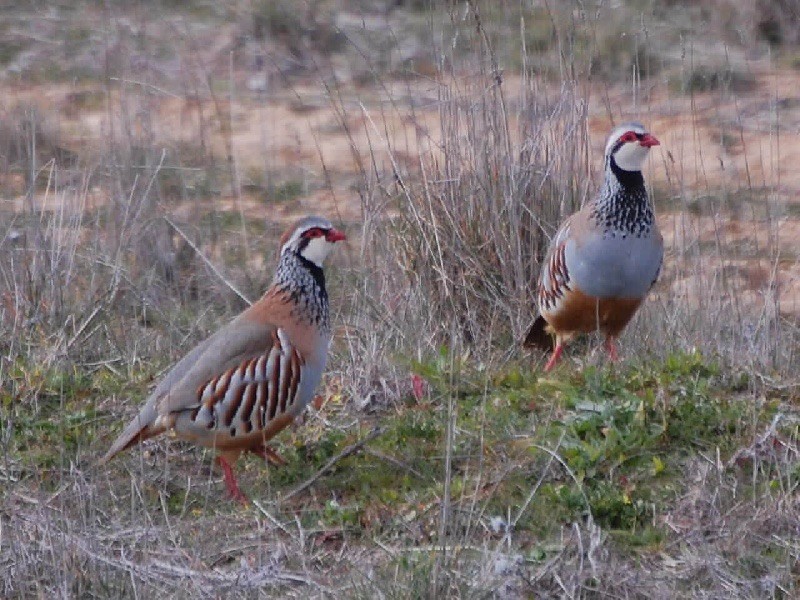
(453, 240)
(99, 273)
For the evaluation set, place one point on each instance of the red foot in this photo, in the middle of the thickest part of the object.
(418, 385)
(611, 348)
(230, 481)
(554, 358)
(269, 455)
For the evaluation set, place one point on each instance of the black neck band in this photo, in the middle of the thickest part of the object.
(627, 179)
(316, 272)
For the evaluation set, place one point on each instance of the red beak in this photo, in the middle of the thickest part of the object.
(334, 235)
(649, 140)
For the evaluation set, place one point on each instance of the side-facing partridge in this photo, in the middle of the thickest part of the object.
(604, 258)
(241, 386)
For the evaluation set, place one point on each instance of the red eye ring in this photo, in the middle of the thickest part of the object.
(312, 233)
(629, 136)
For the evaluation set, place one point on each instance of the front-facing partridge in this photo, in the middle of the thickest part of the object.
(604, 258)
(241, 386)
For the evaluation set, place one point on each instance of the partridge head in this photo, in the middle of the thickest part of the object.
(237, 389)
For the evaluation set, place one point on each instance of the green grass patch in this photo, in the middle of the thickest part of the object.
(532, 453)
(52, 415)
(610, 442)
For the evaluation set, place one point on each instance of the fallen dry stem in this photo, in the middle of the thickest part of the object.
(348, 451)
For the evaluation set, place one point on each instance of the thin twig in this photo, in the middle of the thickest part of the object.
(83, 326)
(351, 449)
(146, 85)
(205, 259)
(572, 475)
(272, 519)
(536, 487)
(396, 462)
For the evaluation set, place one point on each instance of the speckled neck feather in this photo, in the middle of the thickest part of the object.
(304, 283)
(623, 208)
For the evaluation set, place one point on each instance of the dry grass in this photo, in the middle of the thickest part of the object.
(452, 145)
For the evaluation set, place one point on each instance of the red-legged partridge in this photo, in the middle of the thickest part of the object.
(237, 389)
(604, 258)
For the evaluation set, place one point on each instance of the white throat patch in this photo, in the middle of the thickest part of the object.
(631, 156)
(317, 250)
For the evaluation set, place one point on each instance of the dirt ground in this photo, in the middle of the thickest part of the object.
(711, 150)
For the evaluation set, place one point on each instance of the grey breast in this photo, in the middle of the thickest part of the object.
(612, 266)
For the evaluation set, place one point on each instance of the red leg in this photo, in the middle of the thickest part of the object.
(230, 480)
(554, 358)
(611, 349)
(269, 455)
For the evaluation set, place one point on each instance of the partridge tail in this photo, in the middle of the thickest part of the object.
(138, 430)
(538, 336)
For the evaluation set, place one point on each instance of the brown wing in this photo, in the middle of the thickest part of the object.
(249, 335)
(249, 402)
(554, 280)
